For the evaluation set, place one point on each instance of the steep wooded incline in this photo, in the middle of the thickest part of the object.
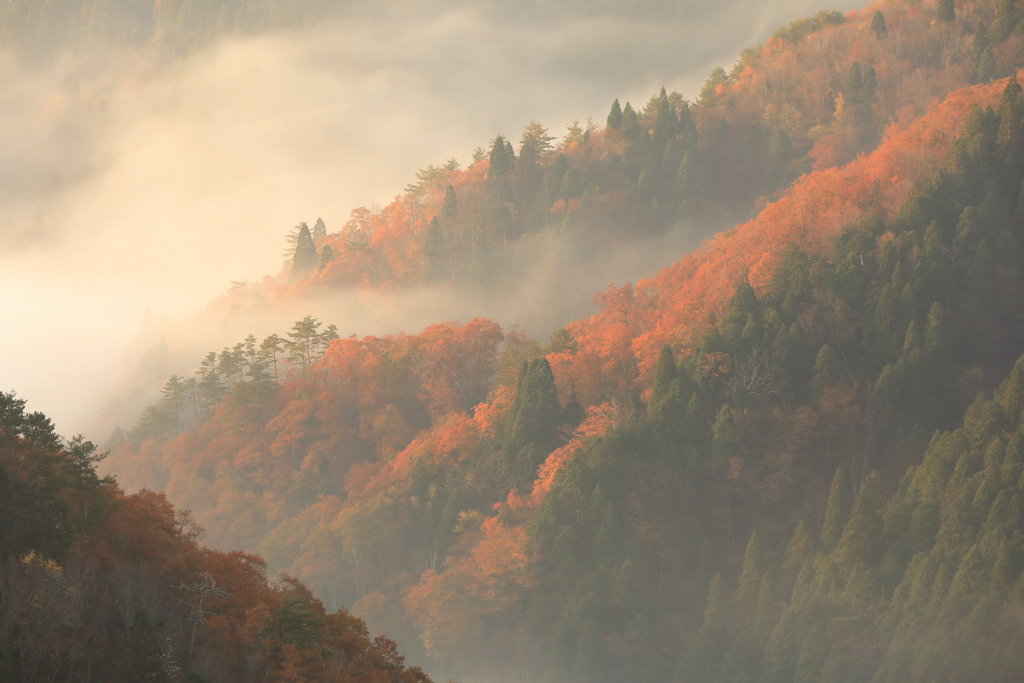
(96, 584)
(794, 455)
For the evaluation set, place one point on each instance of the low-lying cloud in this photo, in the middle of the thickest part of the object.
(132, 191)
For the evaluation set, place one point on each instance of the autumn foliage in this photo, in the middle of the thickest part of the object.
(593, 503)
(87, 566)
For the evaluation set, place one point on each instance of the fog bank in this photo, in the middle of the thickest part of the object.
(132, 191)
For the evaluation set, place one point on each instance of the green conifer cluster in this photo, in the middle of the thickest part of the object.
(863, 443)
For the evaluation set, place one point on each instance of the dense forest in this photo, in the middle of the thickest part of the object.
(797, 454)
(100, 585)
(815, 96)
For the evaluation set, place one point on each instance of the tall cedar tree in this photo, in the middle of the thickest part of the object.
(141, 656)
(946, 11)
(532, 428)
(878, 26)
(615, 115)
(305, 260)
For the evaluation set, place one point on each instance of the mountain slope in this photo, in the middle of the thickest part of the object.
(702, 481)
(98, 584)
(817, 94)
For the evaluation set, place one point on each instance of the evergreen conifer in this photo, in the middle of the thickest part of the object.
(836, 512)
(535, 415)
(319, 229)
(305, 259)
(664, 383)
(1005, 21)
(982, 57)
(501, 160)
(946, 11)
(878, 26)
(630, 123)
(141, 657)
(615, 115)
(779, 151)
(826, 371)
(326, 256)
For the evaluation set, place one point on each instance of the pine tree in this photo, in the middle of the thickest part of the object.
(615, 115)
(687, 128)
(623, 585)
(229, 365)
(878, 26)
(1011, 393)
(708, 96)
(798, 551)
(305, 259)
(665, 127)
(853, 93)
(141, 658)
(433, 248)
(1010, 137)
(1006, 20)
(326, 256)
(860, 537)
(835, 514)
(742, 661)
(664, 383)
(607, 540)
(750, 578)
(982, 57)
(630, 123)
(1013, 460)
(531, 430)
(779, 151)
(536, 139)
(704, 658)
(691, 178)
(450, 208)
(742, 304)
(211, 389)
(319, 229)
(724, 435)
(946, 11)
(501, 161)
(267, 354)
(306, 343)
(590, 652)
(826, 371)
(870, 84)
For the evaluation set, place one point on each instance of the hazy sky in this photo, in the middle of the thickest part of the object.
(127, 188)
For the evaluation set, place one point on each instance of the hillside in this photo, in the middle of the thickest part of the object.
(530, 220)
(97, 584)
(793, 455)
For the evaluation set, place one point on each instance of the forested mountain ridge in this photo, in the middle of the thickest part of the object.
(96, 584)
(817, 94)
(791, 456)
